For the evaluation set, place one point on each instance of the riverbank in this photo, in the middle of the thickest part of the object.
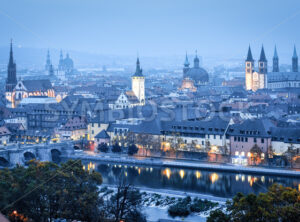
(185, 164)
(156, 211)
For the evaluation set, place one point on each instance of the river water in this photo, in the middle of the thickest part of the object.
(216, 183)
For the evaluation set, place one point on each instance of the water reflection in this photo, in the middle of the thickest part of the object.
(221, 184)
(181, 173)
(198, 174)
(214, 177)
(167, 173)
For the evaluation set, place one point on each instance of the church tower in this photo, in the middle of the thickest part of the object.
(48, 62)
(262, 70)
(295, 61)
(138, 83)
(275, 61)
(51, 71)
(249, 66)
(262, 62)
(186, 65)
(61, 61)
(196, 61)
(11, 79)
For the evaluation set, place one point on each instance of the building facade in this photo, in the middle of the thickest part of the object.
(256, 79)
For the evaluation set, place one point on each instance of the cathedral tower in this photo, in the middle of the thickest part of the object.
(196, 61)
(11, 79)
(249, 66)
(275, 61)
(262, 62)
(138, 83)
(48, 62)
(295, 61)
(61, 61)
(186, 65)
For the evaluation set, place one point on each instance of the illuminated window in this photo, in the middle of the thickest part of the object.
(236, 153)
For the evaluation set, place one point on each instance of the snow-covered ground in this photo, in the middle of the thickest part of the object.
(154, 212)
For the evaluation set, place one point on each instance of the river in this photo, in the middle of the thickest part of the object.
(215, 183)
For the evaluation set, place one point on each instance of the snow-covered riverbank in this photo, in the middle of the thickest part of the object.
(157, 201)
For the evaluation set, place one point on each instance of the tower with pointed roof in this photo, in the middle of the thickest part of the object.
(11, 79)
(48, 62)
(61, 61)
(275, 61)
(295, 61)
(262, 62)
(196, 61)
(186, 65)
(138, 83)
(249, 66)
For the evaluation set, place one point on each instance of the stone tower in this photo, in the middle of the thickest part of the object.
(275, 61)
(48, 62)
(249, 66)
(295, 61)
(11, 79)
(138, 83)
(186, 65)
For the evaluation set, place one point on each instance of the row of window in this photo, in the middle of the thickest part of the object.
(248, 154)
(245, 139)
(197, 128)
(249, 132)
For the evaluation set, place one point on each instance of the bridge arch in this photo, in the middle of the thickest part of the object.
(76, 147)
(55, 155)
(28, 155)
(4, 162)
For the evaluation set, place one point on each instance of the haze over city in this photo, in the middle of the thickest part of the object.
(218, 29)
(149, 111)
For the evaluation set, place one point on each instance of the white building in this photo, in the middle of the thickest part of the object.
(135, 97)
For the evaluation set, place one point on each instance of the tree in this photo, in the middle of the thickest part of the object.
(116, 148)
(132, 149)
(126, 203)
(218, 216)
(278, 204)
(44, 191)
(256, 153)
(102, 147)
(290, 154)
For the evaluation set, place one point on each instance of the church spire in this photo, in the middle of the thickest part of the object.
(295, 60)
(11, 68)
(138, 71)
(262, 62)
(48, 61)
(196, 61)
(295, 52)
(186, 62)
(61, 57)
(11, 57)
(262, 55)
(275, 53)
(249, 55)
(275, 61)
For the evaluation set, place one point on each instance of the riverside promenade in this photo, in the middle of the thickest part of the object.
(189, 164)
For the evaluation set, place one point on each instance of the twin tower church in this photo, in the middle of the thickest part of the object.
(261, 78)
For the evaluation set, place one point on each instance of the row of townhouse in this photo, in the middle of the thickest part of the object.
(239, 140)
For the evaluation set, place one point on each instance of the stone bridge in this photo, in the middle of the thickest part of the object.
(20, 154)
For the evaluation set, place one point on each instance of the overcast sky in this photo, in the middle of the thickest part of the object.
(153, 27)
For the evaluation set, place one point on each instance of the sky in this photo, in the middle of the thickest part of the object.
(153, 27)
